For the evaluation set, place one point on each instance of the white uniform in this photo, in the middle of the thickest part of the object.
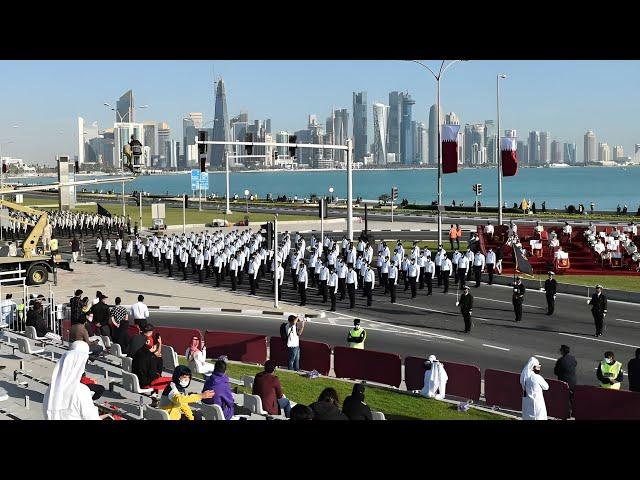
(533, 406)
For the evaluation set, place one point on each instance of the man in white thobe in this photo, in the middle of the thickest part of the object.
(532, 383)
(435, 379)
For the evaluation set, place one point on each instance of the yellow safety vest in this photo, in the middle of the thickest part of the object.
(54, 244)
(610, 371)
(356, 333)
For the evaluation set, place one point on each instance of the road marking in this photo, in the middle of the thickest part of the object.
(504, 301)
(332, 321)
(623, 320)
(598, 340)
(546, 358)
(493, 346)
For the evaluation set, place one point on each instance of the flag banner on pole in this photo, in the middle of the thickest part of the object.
(522, 264)
(508, 151)
(103, 211)
(450, 148)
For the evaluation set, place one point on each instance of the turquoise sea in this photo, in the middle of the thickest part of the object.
(605, 186)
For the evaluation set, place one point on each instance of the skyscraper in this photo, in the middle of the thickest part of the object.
(380, 132)
(556, 152)
(340, 134)
(636, 153)
(490, 140)
(220, 126)
(604, 153)
(590, 147)
(433, 135)
(359, 125)
(124, 108)
(282, 137)
(451, 118)
(478, 148)
(164, 137)
(569, 153)
(534, 148)
(406, 133)
(617, 154)
(523, 152)
(394, 127)
(545, 149)
(420, 143)
(149, 132)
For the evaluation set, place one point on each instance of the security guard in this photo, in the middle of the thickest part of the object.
(54, 246)
(466, 306)
(610, 372)
(518, 298)
(357, 335)
(550, 288)
(598, 304)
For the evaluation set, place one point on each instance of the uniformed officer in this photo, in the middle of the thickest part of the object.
(392, 280)
(598, 304)
(118, 250)
(412, 274)
(491, 262)
(518, 298)
(233, 273)
(352, 283)
(429, 272)
(466, 305)
(332, 285)
(184, 260)
(129, 251)
(303, 282)
(169, 259)
(478, 266)
(199, 265)
(99, 249)
(323, 278)
(357, 335)
(463, 265)
(445, 272)
(550, 287)
(278, 273)
(369, 284)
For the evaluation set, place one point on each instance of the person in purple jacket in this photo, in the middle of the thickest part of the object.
(219, 383)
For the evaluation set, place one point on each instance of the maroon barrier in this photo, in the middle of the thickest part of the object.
(464, 380)
(313, 355)
(243, 347)
(503, 390)
(370, 365)
(596, 403)
(178, 338)
(133, 330)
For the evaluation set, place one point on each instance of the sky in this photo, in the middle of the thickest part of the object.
(41, 100)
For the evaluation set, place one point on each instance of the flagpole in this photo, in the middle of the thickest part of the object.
(499, 156)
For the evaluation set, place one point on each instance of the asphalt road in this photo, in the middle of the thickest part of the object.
(433, 324)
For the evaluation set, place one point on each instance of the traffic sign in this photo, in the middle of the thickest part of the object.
(204, 181)
(195, 178)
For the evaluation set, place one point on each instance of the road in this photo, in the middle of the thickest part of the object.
(432, 325)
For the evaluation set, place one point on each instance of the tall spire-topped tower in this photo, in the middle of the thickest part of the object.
(220, 126)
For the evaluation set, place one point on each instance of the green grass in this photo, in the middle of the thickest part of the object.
(613, 282)
(395, 405)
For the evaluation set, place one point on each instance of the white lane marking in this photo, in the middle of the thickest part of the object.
(493, 346)
(632, 304)
(504, 301)
(546, 358)
(332, 321)
(598, 340)
(452, 314)
(623, 320)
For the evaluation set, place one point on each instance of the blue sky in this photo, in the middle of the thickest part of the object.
(566, 98)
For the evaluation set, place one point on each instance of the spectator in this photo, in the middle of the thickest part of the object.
(140, 312)
(75, 249)
(101, 316)
(610, 372)
(197, 356)
(147, 365)
(328, 406)
(67, 398)
(267, 386)
(219, 383)
(293, 333)
(35, 318)
(119, 323)
(565, 368)
(79, 332)
(532, 383)
(139, 341)
(75, 304)
(435, 379)
(8, 309)
(301, 412)
(354, 407)
(633, 372)
(97, 299)
(175, 399)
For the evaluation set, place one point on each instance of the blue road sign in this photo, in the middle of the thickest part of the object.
(204, 180)
(195, 179)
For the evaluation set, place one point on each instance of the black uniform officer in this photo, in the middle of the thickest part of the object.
(598, 304)
(550, 288)
(518, 298)
(466, 305)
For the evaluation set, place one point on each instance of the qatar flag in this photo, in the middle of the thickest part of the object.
(450, 148)
(508, 150)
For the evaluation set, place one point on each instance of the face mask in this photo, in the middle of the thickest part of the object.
(608, 360)
(184, 383)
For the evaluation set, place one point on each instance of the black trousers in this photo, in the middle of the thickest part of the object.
(445, 279)
(294, 279)
(170, 266)
(455, 273)
(252, 283)
(207, 271)
(551, 303)
(303, 293)
(490, 272)
(323, 290)
(392, 289)
(421, 278)
(99, 253)
(368, 291)
(351, 290)
(412, 283)
(118, 258)
(598, 318)
(128, 257)
(462, 276)
(478, 273)
(108, 258)
(184, 271)
(406, 280)
(384, 280)
(234, 282)
(517, 308)
(438, 276)
(332, 295)
(429, 282)
(467, 321)
(156, 263)
(342, 287)
(200, 275)
(218, 279)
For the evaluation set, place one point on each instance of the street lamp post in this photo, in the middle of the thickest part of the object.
(246, 196)
(499, 157)
(437, 77)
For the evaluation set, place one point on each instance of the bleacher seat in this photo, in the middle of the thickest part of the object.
(211, 412)
(254, 403)
(24, 346)
(169, 358)
(131, 383)
(378, 416)
(106, 340)
(116, 350)
(31, 333)
(127, 364)
(151, 413)
(247, 380)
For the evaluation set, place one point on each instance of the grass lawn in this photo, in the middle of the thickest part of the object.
(395, 406)
(614, 282)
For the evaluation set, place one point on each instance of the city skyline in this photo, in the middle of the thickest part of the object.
(563, 98)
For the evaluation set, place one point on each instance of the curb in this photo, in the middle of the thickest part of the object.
(165, 308)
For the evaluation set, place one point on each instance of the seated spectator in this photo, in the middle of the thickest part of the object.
(354, 407)
(553, 240)
(435, 379)
(67, 398)
(488, 230)
(301, 412)
(218, 381)
(197, 357)
(119, 323)
(567, 230)
(140, 340)
(96, 389)
(538, 229)
(36, 319)
(559, 253)
(328, 406)
(267, 386)
(599, 247)
(147, 365)
(175, 399)
(474, 242)
(79, 332)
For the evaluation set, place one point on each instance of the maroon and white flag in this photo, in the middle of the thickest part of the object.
(450, 148)
(508, 151)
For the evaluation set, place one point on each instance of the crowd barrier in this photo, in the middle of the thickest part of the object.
(243, 347)
(503, 389)
(66, 330)
(355, 363)
(133, 330)
(464, 380)
(178, 338)
(596, 403)
(313, 355)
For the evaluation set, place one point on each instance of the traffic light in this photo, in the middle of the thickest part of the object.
(202, 147)
(267, 230)
(5, 168)
(203, 163)
(77, 167)
(186, 201)
(479, 189)
(248, 148)
(275, 155)
(475, 188)
(292, 150)
(394, 193)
